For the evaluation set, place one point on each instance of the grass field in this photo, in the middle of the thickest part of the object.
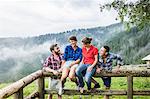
(117, 83)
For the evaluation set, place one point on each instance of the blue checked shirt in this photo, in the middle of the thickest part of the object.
(109, 61)
(71, 54)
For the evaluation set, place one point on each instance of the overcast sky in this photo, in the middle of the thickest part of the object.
(23, 18)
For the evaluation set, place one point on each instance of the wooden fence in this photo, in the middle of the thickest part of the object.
(16, 88)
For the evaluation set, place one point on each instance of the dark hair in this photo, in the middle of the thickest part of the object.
(73, 38)
(107, 48)
(52, 47)
(87, 40)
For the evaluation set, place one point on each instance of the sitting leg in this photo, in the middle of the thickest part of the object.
(65, 73)
(72, 74)
(88, 77)
(96, 84)
(107, 83)
(79, 74)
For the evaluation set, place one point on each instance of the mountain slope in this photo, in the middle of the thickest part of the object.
(22, 56)
(133, 45)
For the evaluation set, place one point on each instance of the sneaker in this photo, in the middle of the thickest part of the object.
(97, 85)
(81, 90)
(89, 90)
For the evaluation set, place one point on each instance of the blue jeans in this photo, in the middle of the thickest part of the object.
(88, 75)
(107, 81)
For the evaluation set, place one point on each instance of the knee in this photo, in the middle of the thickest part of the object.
(63, 77)
(87, 79)
(78, 72)
(71, 77)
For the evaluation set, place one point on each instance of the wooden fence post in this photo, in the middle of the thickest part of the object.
(19, 94)
(41, 89)
(130, 87)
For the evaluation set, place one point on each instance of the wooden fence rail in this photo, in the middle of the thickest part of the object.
(16, 88)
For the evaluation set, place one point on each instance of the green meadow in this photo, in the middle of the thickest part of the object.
(119, 83)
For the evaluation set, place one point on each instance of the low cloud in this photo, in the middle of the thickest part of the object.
(19, 62)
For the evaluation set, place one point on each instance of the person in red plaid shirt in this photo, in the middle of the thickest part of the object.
(53, 65)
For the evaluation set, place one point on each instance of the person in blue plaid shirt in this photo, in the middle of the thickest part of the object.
(105, 63)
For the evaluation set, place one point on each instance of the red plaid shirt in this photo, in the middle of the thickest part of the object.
(53, 63)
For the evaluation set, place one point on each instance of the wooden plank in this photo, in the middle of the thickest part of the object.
(122, 73)
(97, 92)
(137, 65)
(130, 87)
(33, 95)
(142, 92)
(19, 94)
(100, 92)
(41, 89)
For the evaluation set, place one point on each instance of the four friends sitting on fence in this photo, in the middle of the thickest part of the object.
(77, 63)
